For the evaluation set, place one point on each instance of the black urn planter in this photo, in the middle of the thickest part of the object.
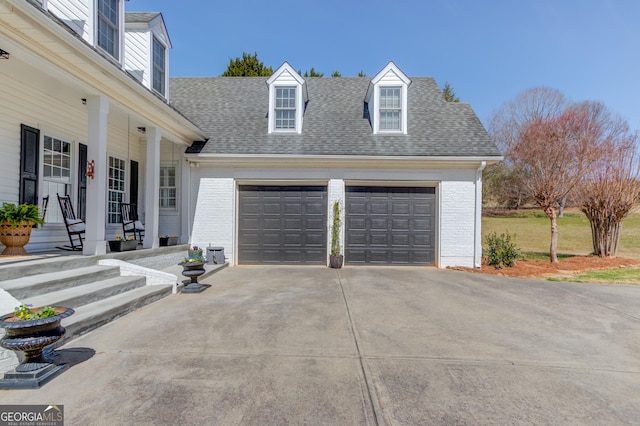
(193, 270)
(335, 261)
(31, 337)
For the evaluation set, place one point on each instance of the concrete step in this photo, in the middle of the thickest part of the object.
(43, 266)
(93, 315)
(34, 285)
(74, 297)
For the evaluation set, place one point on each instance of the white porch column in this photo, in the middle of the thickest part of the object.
(152, 188)
(95, 243)
(185, 203)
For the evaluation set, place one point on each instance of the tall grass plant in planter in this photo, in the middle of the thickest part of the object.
(16, 223)
(335, 256)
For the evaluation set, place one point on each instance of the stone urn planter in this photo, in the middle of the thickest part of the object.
(193, 269)
(31, 337)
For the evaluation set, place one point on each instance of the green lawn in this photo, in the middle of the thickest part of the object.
(532, 232)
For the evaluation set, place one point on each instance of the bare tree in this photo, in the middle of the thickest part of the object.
(552, 154)
(506, 128)
(609, 188)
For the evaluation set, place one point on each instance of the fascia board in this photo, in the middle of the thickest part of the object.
(274, 160)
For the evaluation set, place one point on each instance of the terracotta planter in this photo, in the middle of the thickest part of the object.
(31, 337)
(335, 261)
(15, 238)
(168, 241)
(122, 245)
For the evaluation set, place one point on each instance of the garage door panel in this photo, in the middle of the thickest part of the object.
(389, 225)
(282, 225)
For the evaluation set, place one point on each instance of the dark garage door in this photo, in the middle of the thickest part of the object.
(282, 225)
(390, 226)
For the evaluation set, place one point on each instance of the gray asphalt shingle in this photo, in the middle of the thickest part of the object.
(232, 111)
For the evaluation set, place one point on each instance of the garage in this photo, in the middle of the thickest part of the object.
(390, 225)
(282, 225)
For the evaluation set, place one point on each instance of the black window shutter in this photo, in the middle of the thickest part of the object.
(133, 184)
(29, 155)
(82, 181)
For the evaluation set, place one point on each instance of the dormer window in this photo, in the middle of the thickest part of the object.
(390, 108)
(159, 74)
(287, 98)
(386, 101)
(108, 27)
(285, 108)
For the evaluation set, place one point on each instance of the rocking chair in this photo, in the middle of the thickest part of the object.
(130, 222)
(75, 226)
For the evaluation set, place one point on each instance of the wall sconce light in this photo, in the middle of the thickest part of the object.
(4, 54)
(84, 101)
(142, 130)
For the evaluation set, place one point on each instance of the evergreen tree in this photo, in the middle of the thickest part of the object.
(449, 94)
(248, 66)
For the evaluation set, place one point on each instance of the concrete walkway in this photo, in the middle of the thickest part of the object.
(307, 345)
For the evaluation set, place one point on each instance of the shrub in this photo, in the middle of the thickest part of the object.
(501, 250)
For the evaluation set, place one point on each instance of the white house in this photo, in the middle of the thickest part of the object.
(250, 164)
(86, 84)
(405, 165)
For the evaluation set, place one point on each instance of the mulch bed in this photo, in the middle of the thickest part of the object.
(544, 269)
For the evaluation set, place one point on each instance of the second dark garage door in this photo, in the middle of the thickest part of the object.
(390, 226)
(282, 225)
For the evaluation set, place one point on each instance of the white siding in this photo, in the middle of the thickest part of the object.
(24, 104)
(74, 13)
(137, 55)
(214, 217)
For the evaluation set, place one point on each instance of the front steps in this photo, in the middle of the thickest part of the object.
(98, 294)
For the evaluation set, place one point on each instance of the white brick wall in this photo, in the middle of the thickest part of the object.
(457, 223)
(335, 192)
(213, 221)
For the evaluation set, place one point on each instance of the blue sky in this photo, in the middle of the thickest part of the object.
(489, 51)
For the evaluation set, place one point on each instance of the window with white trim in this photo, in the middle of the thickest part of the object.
(116, 189)
(168, 190)
(390, 108)
(285, 108)
(108, 34)
(159, 74)
(56, 174)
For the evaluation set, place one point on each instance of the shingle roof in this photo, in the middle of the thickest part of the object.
(140, 16)
(232, 111)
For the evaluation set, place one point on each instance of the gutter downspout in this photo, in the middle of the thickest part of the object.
(477, 257)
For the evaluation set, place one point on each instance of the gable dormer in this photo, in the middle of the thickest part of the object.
(146, 50)
(287, 98)
(387, 100)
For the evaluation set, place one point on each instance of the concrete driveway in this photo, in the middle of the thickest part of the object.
(307, 345)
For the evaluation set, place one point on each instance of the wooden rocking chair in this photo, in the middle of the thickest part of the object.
(75, 226)
(130, 222)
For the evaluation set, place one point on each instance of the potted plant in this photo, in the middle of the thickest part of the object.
(30, 330)
(121, 244)
(166, 240)
(16, 223)
(335, 256)
(193, 267)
